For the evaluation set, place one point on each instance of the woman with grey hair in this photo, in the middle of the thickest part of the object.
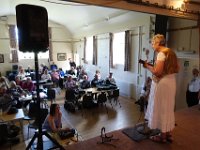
(161, 103)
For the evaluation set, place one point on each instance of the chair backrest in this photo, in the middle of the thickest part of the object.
(116, 93)
(51, 94)
(87, 101)
(70, 95)
(33, 109)
(102, 98)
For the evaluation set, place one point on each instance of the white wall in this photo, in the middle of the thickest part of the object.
(127, 81)
(61, 43)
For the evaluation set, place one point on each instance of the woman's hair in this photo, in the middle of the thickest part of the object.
(160, 38)
(53, 109)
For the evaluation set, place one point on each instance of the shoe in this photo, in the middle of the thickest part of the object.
(169, 138)
(158, 138)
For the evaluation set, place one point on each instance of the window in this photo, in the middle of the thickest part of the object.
(30, 55)
(118, 48)
(89, 49)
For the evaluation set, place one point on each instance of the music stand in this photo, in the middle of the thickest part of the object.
(38, 134)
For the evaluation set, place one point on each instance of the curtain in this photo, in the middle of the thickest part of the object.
(127, 50)
(94, 61)
(111, 50)
(13, 44)
(14, 54)
(50, 45)
(84, 50)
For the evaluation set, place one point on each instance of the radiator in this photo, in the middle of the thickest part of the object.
(127, 89)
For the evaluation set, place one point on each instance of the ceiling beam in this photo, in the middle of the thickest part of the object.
(152, 9)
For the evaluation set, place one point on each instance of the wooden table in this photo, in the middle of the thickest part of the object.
(14, 117)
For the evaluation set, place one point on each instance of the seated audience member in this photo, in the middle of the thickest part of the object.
(55, 77)
(16, 92)
(53, 66)
(70, 84)
(4, 82)
(53, 122)
(72, 71)
(193, 89)
(18, 81)
(5, 99)
(61, 79)
(78, 70)
(28, 70)
(61, 73)
(28, 85)
(85, 83)
(98, 74)
(20, 67)
(43, 67)
(144, 94)
(96, 81)
(72, 63)
(81, 74)
(110, 79)
(46, 75)
(22, 74)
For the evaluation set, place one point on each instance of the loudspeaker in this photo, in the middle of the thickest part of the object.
(32, 25)
(161, 25)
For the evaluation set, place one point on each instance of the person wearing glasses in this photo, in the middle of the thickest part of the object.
(161, 102)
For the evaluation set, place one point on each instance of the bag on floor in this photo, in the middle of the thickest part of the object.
(66, 134)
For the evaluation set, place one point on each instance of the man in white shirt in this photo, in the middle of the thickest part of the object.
(193, 90)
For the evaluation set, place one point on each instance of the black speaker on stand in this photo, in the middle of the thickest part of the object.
(32, 25)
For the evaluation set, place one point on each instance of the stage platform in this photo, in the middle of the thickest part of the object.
(186, 136)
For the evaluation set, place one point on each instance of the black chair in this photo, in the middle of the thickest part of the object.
(71, 100)
(114, 95)
(70, 95)
(101, 99)
(51, 95)
(88, 101)
(39, 119)
(33, 108)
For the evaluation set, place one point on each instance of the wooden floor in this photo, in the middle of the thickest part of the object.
(90, 122)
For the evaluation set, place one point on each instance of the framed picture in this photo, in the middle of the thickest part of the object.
(61, 56)
(1, 58)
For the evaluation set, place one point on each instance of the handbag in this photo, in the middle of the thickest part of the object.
(64, 134)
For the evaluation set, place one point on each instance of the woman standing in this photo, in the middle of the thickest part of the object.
(160, 110)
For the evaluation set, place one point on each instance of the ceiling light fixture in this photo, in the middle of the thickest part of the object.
(177, 6)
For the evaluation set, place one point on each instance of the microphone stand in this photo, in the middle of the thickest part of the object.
(142, 128)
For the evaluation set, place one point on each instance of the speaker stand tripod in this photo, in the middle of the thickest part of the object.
(40, 132)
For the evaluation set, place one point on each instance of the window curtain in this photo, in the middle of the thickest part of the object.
(13, 44)
(111, 50)
(127, 50)
(50, 45)
(94, 61)
(84, 49)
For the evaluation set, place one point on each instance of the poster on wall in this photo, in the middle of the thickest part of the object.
(1, 58)
(61, 56)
